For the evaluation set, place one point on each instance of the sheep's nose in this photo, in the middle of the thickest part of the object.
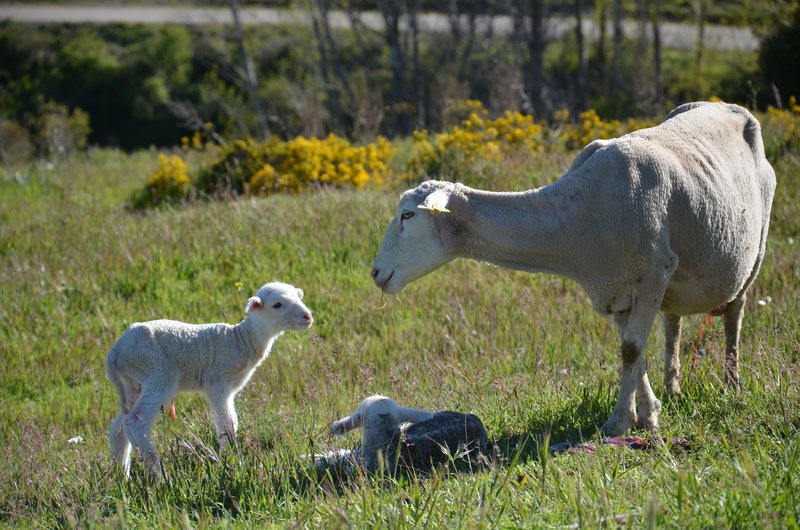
(308, 318)
(375, 272)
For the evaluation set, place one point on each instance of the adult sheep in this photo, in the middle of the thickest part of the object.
(673, 218)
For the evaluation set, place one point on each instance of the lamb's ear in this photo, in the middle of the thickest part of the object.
(299, 292)
(254, 303)
(346, 425)
(436, 202)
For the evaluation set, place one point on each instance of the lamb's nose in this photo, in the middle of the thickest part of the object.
(375, 272)
(307, 317)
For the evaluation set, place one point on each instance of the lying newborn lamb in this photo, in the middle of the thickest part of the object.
(430, 439)
(153, 361)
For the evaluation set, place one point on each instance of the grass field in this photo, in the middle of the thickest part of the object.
(523, 352)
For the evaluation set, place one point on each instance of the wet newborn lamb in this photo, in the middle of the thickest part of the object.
(153, 361)
(430, 439)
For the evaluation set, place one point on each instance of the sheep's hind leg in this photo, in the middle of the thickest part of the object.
(733, 326)
(672, 360)
(120, 446)
(139, 421)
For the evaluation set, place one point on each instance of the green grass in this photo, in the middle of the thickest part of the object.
(523, 352)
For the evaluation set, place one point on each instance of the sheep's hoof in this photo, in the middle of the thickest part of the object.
(647, 415)
(673, 392)
(617, 425)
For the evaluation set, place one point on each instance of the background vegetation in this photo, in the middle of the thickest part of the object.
(132, 86)
(523, 352)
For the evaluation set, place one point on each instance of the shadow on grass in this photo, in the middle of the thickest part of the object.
(574, 422)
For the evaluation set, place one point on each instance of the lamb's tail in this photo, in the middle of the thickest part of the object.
(115, 377)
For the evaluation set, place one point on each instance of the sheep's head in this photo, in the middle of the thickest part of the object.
(379, 412)
(412, 246)
(281, 305)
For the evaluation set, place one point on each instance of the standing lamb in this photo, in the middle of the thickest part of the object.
(153, 361)
(673, 218)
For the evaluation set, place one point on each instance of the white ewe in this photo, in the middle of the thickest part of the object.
(673, 218)
(153, 361)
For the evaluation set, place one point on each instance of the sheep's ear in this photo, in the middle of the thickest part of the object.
(436, 202)
(254, 303)
(299, 292)
(345, 425)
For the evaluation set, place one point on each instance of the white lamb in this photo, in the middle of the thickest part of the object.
(402, 438)
(153, 361)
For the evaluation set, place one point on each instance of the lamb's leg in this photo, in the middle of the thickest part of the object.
(138, 426)
(634, 339)
(672, 360)
(733, 326)
(118, 442)
(120, 446)
(226, 422)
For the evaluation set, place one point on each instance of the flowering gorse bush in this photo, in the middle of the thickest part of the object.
(167, 184)
(781, 130)
(590, 127)
(248, 167)
(307, 162)
(513, 138)
(477, 138)
(260, 168)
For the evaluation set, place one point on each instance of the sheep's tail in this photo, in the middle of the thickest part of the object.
(115, 378)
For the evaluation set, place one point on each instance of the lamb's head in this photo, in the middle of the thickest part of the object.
(280, 306)
(379, 412)
(415, 242)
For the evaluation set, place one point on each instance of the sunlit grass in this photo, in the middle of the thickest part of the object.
(523, 352)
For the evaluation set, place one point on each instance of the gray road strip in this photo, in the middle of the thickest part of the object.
(673, 35)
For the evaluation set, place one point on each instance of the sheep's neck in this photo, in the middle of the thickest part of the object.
(531, 231)
(254, 340)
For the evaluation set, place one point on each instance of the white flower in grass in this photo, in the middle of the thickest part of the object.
(75, 440)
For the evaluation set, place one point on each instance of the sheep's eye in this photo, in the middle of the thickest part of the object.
(406, 215)
(276, 305)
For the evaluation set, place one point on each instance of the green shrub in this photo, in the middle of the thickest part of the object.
(15, 143)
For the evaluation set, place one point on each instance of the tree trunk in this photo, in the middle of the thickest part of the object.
(702, 13)
(655, 19)
(582, 81)
(601, 9)
(252, 81)
(536, 45)
(392, 11)
(616, 71)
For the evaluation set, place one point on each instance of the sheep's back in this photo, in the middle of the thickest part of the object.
(447, 435)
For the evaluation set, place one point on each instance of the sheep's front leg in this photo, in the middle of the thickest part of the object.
(672, 360)
(636, 402)
(226, 422)
(733, 326)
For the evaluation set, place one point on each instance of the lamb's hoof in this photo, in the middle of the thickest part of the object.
(617, 425)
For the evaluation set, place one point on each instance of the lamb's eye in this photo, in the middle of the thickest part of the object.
(276, 305)
(406, 215)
